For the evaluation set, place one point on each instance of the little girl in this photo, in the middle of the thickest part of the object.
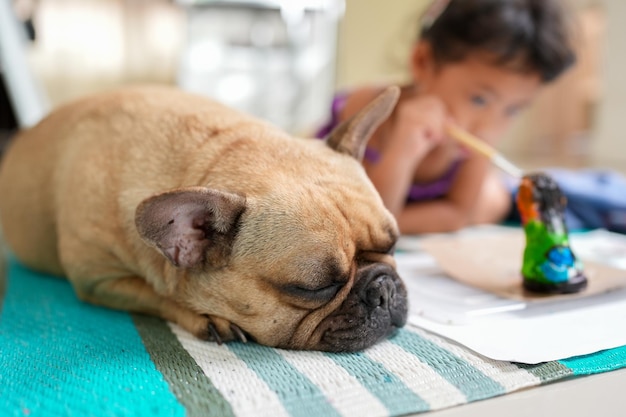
(477, 64)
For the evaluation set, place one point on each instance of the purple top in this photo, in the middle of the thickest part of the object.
(417, 192)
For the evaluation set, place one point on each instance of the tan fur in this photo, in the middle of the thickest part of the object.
(71, 187)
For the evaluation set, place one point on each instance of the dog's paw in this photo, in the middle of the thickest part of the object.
(216, 329)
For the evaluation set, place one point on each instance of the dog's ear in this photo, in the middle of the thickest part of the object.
(351, 136)
(192, 227)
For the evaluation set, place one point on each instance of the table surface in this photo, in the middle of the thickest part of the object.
(601, 395)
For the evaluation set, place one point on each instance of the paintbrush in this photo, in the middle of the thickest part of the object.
(483, 148)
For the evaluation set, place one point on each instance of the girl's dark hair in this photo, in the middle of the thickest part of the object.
(528, 35)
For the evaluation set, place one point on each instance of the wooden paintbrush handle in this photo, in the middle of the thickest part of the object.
(470, 141)
(483, 148)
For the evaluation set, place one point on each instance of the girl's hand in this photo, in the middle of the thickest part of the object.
(419, 125)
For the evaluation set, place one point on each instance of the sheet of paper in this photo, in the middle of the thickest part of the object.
(515, 329)
(541, 336)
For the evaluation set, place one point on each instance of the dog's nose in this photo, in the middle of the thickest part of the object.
(382, 290)
(378, 292)
(376, 306)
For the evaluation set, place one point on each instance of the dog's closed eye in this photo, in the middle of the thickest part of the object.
(323, 294)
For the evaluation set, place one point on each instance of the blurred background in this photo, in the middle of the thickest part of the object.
(282, 60)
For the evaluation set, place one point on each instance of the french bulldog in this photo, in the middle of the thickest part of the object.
(157, 201)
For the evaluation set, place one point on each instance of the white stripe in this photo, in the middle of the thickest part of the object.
(343, 391)
(247, 394)
(416, 375)
(507, 374)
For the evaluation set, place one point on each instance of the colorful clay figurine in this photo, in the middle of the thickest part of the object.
(549, 264)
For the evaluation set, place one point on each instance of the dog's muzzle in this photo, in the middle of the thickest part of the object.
(374, 309)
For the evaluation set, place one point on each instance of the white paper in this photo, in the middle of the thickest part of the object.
(550, 336)
(511, 330)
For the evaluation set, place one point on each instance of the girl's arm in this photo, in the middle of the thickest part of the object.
(403, 142)
(392, 175)
(461, 205)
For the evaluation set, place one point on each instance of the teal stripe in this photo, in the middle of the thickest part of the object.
(604, 361)
(62, 357)
(469, 380)
(186, 379)
(547, 371)
(3, 274)
(299, 396)
(383, 384)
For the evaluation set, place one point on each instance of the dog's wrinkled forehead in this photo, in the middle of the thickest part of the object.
(322, 219)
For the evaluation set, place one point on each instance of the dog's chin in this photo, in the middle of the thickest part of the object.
(373, 311)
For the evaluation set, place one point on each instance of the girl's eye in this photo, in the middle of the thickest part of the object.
(479, 101)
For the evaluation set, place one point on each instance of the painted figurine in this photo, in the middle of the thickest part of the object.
(549, 264)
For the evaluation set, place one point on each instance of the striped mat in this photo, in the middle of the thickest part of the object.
(61, 357)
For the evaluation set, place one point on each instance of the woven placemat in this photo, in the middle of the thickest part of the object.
(62, 357)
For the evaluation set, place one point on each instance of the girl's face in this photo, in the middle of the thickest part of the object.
(481, 97)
